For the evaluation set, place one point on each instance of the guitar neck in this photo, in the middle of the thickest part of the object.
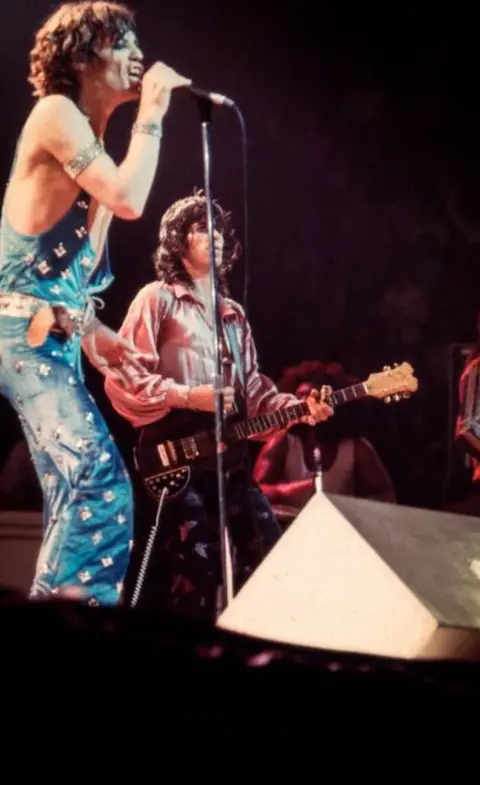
(291, 414)
(352, 393)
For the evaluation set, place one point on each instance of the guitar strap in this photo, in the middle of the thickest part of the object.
(231, 331)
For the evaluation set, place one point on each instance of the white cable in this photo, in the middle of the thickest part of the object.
(148, 549)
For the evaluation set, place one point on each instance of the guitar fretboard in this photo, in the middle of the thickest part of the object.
(290, 414)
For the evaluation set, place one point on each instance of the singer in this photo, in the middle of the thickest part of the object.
(62, 193)
(170, 325)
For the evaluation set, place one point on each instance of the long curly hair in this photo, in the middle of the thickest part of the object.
(173, 239)
(315, 372)
(69, 38)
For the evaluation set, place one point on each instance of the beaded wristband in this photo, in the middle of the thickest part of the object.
(153, 129)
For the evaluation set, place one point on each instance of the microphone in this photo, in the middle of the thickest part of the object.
(215, 98)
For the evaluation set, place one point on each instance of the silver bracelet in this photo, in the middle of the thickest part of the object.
(153, 129)
(84, 158)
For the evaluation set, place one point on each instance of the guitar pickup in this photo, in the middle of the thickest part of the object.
(163, 455)
(190, 449)
(167, 454)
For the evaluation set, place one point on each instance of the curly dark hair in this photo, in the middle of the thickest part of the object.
(316, 373)
(68, 37)
(172, 239)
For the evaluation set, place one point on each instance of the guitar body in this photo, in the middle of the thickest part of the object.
(171, 452)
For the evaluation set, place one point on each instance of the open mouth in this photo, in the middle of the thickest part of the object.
(135, 72)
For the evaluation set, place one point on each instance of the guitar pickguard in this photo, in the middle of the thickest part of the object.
(174, 481)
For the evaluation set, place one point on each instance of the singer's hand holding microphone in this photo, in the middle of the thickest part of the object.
(156, 91)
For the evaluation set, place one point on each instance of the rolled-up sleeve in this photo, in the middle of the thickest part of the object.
(262, 393)
(147, 395)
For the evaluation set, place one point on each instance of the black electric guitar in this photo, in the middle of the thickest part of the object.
(171, 451)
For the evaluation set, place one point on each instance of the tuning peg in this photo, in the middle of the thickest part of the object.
(387, 368)
(396, 397)
(388, 399)
(407, 395)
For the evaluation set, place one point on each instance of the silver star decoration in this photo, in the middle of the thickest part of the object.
(201, 549)
(44, 267)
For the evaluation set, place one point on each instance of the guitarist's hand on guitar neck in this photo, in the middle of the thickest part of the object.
(319, 409)
(202, 398)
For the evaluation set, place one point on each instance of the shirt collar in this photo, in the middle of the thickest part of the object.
(180, 291)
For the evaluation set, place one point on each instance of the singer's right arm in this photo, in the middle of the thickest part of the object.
(68, 137)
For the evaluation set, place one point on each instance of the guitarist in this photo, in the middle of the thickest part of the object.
(170, 324)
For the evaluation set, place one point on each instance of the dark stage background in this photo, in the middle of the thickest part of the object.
(363, 136)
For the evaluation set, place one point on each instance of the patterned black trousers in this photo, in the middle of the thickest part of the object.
(184, 571)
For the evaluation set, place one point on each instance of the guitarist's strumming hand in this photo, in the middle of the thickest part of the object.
(320, 410)
(202, 398)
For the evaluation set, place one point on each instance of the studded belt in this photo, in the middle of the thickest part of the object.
(45, 317)
(18, 304)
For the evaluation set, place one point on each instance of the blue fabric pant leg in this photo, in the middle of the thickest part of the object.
(88, 506)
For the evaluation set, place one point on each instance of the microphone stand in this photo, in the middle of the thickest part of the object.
(318, 478)
(226, 593)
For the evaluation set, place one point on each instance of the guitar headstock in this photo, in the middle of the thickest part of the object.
(392, 384)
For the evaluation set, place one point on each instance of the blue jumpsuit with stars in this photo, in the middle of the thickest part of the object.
(88, 507)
